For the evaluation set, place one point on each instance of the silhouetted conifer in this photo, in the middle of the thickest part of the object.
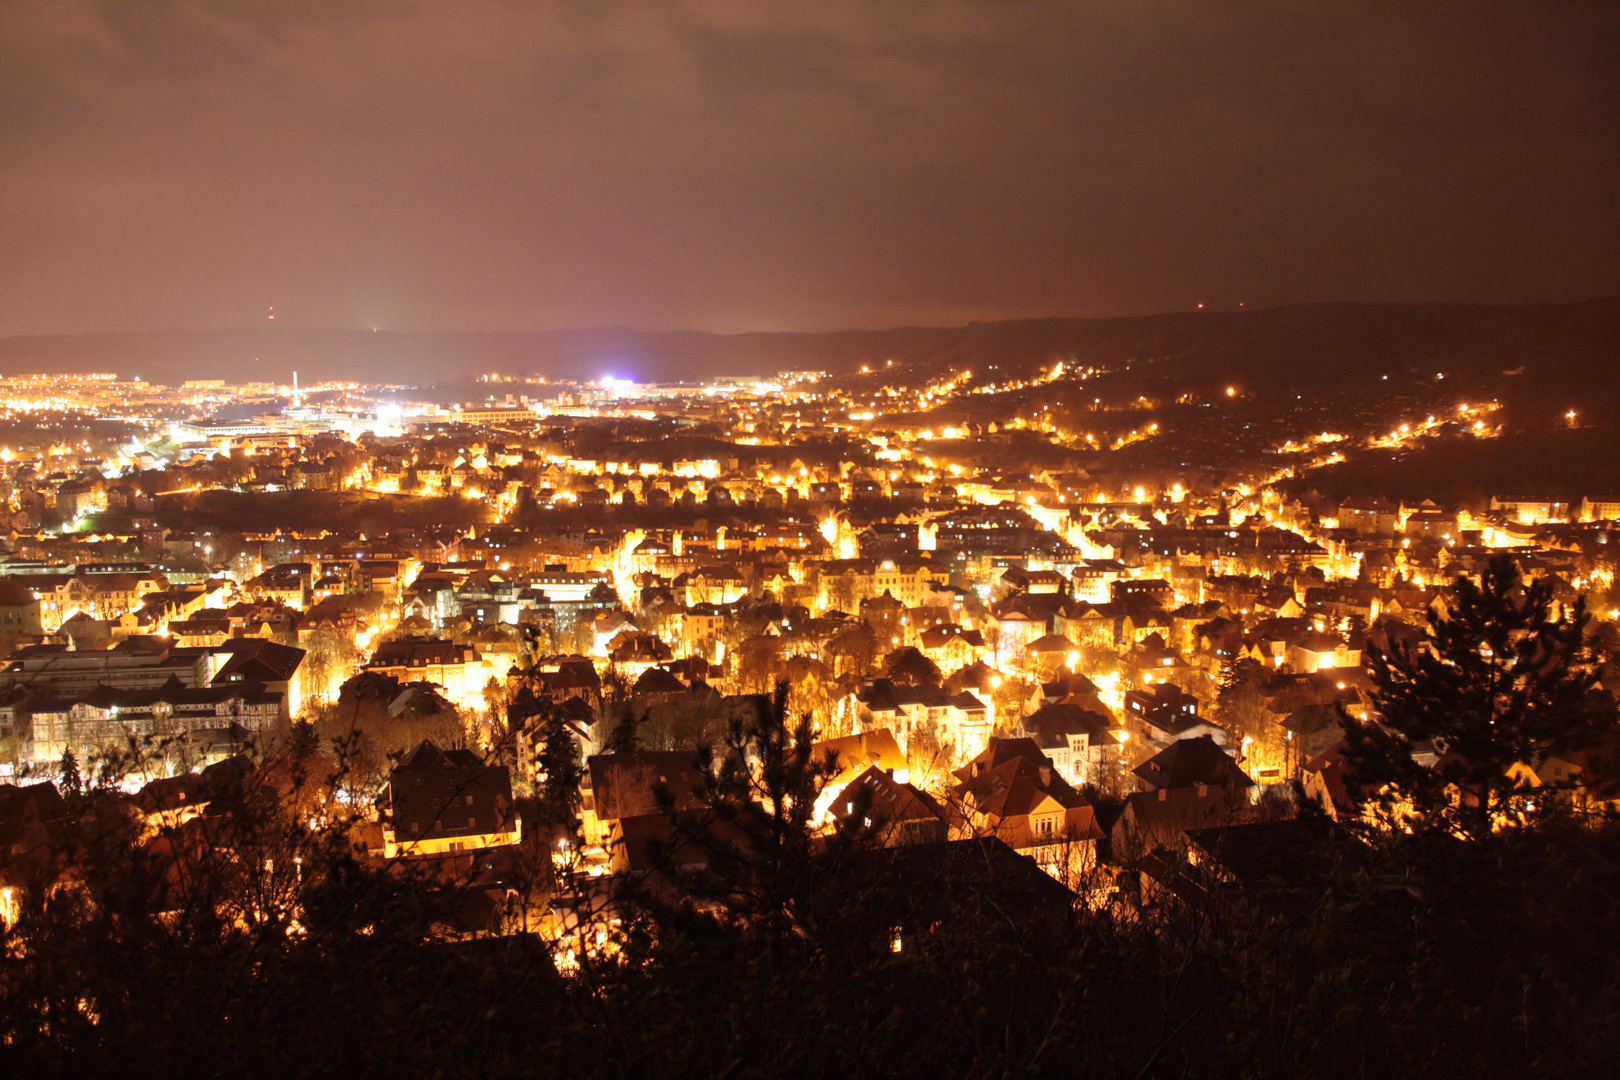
(1500, 678)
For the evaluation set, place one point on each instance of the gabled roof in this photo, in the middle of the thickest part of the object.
(920, 886)
(1376, 503)
(1011, 778)
(190, 788)
(999, 751)
(427, 757)
(1050, 643)
(854, 754)
(656, 680)
(937, 637)
(258, 660)
(438, 793)
(27, 804)
(639, 647)
(418, 652)
(1275, 852)
(882, 798)
(1187, 763)
(623, 785)
(1151, 818)
(1054, 723)
(13, 593)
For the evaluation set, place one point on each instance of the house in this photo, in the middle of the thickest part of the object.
(656, 685)
(146, 686)
(1012, 791)
(1019, 579)
(1150, 661)
(1318, 651)
(1586, 779)
(892, 899)
(701, 626)
(446, 801)
(30, 818)
(213, 630)
(1086, 623)
(1600, 508)
(169, 802)
(577, 717)
(853, 755)
(1530, 509)
(1311, 730)
(897, 812)
(908, 581)
(1429, 522)
(624, 802)
(1369, 515)
(626, 786)
(19, 608)
(567, 677)
(1191, 763)
(635, 651)
(1327, 781)
(1143, 623)
(278, 668)
(1163, 713)
(1047, 654)
(1016, 622)
(1081, 743)
(457, 668)
(1093, 579)
(1155, 591)
(107, 716)
(1162, 818)
(288, 583)
(925, 718)
(711, 585)
(950, 646)
(1267, 856)
(651, 846)
(1216, 643)
(1270, 862)
(883, 613)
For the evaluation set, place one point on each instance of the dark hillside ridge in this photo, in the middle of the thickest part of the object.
(1563, 349)
(1555, 464)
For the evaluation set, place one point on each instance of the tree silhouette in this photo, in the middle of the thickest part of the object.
(72, 779)
(625, 737)
(757, 792)
(1501, 677)
(560, 771)
(909, 665)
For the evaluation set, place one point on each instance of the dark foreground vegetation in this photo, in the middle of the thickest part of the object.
(1434, 958)
(1420, 956)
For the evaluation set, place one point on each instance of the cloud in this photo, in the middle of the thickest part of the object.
(746, 165)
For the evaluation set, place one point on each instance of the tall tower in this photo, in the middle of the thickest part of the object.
(295, 389)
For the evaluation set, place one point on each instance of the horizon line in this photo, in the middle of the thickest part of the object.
(1198, 309)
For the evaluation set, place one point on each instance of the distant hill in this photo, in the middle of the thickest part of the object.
(1554, 350)
(1553, 464)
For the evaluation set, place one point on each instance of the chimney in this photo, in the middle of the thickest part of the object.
(1046, 776)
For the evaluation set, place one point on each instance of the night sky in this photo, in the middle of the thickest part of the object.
(754, 165)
